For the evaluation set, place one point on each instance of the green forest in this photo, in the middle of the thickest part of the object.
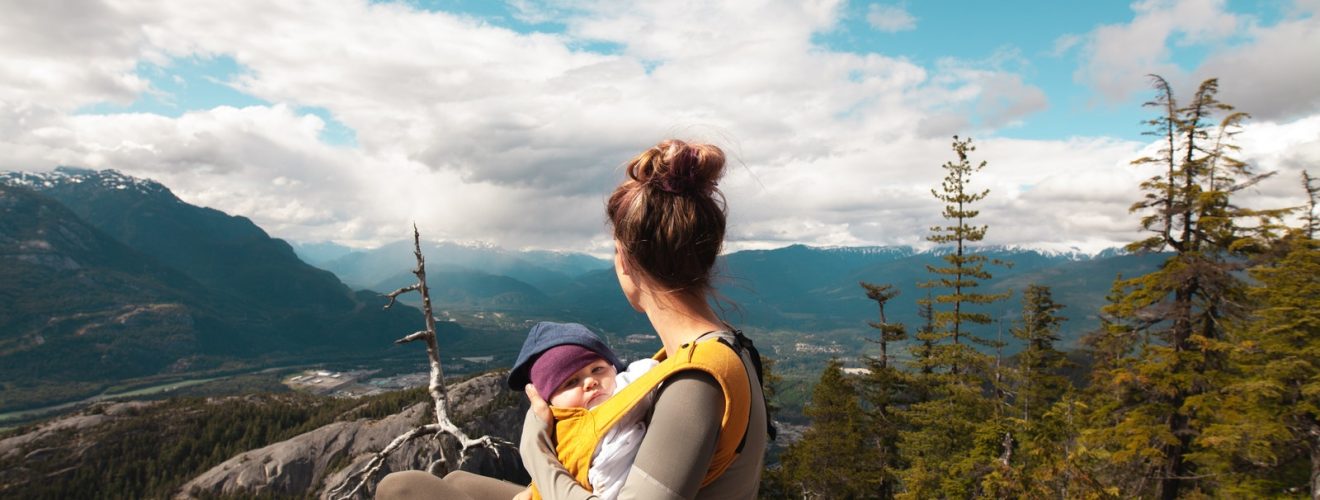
(1200, 382)
(128, 458)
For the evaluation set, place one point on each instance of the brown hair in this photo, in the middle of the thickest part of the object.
(668, 215)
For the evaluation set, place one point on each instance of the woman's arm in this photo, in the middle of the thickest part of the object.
(538, 454)
(680, 439)
(672, 458)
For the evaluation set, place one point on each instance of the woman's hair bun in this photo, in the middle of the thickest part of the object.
(669, 217)
(676, 167)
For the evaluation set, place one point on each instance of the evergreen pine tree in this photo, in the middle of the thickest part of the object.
(1185, 304)
(1114, 385)
(1267, 420)
(1267, 423)
(1035, 462)
(923, 352)
(833, 459)
(1312, 192)
(887, 332)
(886, 389)
(955, 436)
(964, 269)
(1041, 366)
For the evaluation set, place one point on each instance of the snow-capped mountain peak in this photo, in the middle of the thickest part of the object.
(65, 176)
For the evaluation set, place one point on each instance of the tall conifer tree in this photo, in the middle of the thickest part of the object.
(955, 436)
(886, 389)
(1034, 463)
(1267, 419)
(964, 270)
(1184, 304)
(833, 459)
(923, 351)
(1040, 364)
(886, 332)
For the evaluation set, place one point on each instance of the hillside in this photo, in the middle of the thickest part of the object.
(111, 278)
(283, 445)
(78, 308)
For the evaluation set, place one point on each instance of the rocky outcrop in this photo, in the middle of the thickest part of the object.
(313, 462)
(59, 428)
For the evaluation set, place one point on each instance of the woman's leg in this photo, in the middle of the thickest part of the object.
(416, 485)
(481, 487)
(458, 485)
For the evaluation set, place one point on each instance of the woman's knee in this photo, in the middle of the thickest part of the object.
(409, 484)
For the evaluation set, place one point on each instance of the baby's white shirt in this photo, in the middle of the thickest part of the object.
(616, 452)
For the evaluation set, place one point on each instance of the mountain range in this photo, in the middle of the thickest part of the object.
(794, 288)
(107, 278)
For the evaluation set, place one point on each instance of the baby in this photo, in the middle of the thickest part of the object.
(571, 367)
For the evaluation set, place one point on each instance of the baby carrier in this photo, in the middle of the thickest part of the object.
(578, 431)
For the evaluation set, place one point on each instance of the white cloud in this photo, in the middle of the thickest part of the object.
(1276, 75)
(61, 56)
(1269, 71)
(481, 133)
(994, 87)
(1065, 43)
(1116, 56)
(890, 18)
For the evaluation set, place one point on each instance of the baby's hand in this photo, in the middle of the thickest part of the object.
(539, 407)
(524, 494)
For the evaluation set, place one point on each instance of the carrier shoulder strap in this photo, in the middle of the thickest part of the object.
(579, 431)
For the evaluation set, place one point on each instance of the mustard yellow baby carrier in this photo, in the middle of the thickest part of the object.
(578, 431)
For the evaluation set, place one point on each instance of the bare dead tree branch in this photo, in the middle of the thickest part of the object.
(411, 337)
(406, 289)
(436, 388)
(378, 460)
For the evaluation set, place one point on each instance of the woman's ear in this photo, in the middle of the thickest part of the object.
(620, 262)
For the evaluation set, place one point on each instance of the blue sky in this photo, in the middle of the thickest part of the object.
(199, 83)
(1024, 37)
(1024, 34)
(346, 120)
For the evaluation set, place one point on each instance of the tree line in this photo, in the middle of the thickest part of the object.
(152, 450)
(1203, 379)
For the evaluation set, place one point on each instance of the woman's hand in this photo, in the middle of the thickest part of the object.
(539, 406)
(524, 495)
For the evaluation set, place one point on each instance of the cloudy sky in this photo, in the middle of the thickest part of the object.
(507, 122)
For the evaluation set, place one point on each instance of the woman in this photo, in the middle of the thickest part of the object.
(668, 220)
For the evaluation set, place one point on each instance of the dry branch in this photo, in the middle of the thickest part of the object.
(411, 337)
(437, 390)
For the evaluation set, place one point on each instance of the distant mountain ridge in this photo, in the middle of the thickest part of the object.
(797, 287)
(227, 253)
(816, 289)
(546, 270)
(108, 179)
(84, 251)
(175, 288)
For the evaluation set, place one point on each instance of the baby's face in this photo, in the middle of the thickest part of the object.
(590, 386)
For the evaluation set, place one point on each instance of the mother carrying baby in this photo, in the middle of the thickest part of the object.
(706, 430)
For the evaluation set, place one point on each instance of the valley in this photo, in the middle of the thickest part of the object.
(212, 298)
